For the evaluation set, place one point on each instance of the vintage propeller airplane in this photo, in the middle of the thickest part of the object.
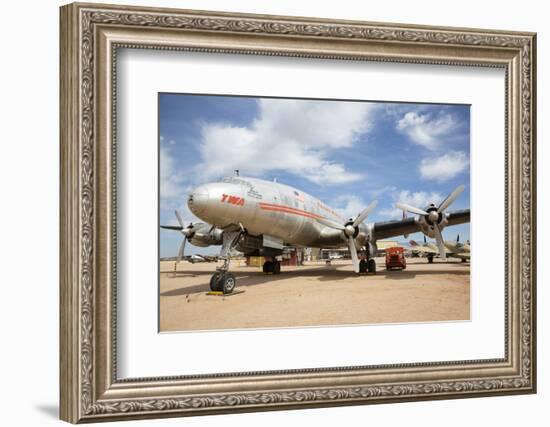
(453, 249)
(258, 217)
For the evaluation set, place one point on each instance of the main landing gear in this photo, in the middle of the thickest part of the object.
(273, 267)
(367, 266)
(222, 280)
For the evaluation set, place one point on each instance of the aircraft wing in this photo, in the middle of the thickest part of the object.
(425, 249)
(386, 229)
(385, 244)
(465, 255)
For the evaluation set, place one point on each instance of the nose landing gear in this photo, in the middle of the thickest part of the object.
(222, 280)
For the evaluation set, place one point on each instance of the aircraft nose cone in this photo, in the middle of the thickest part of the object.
(198, 200)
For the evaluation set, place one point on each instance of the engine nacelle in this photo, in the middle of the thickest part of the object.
(428, 222)
(365, 238)
(203, 235)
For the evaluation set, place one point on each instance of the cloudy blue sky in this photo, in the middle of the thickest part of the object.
(345, 153)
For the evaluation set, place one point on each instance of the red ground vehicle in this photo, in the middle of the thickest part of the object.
(395, 258)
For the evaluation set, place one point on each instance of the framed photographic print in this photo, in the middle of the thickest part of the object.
(265, 212)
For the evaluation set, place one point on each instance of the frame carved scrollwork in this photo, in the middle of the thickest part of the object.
(90, 37)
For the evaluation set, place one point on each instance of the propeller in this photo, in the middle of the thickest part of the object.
(182, 249)
(186, 230)
(350, 230)
(433, 216)
(440, 244)
(406, 236)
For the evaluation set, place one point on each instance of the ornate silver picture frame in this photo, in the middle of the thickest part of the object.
(91, 390)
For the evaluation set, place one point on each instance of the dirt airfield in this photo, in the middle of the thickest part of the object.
(313, 295)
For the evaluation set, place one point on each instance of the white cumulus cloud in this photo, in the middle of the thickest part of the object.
(349, 205)
(427, 130)
(445, 167)
(418, 199)
(173, 191)
(170, 178)
(288, 135)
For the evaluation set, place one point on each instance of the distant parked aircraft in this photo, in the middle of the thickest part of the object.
(453, 249)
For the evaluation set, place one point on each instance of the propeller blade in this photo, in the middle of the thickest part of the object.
(440, 244)
(353, 251)
(450, 198)
(182, 249)
(171, 227)
(178, 216)
(410, 209)
(363, 215)
(331, 224)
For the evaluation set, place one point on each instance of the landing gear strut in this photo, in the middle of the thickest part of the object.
(222, 280)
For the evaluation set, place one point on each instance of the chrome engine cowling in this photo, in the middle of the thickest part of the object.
(427, 222)
(203, 235)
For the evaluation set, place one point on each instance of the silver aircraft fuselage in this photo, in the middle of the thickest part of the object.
(270, 208)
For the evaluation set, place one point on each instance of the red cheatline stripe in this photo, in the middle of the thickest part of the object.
(289, 208)
(290, 211)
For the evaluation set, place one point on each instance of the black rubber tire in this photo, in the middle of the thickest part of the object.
(363, 265)
(371, 266)
(276, 267)
(228, 283)
(268, 267)
(430, 259)
(215, 282)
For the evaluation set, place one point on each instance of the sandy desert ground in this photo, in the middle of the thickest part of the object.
(313, 295)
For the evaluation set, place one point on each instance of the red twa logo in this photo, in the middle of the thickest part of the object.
(234, 200)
